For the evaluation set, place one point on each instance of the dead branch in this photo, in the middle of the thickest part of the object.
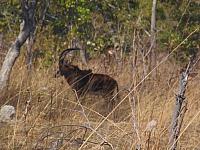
(179, 109)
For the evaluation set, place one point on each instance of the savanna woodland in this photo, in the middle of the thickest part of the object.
(142, 54)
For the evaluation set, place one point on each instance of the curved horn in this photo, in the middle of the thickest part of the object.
(65, 52)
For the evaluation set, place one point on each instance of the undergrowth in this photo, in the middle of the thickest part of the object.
(55, 119)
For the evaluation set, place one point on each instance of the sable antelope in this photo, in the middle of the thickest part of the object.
(86, 82)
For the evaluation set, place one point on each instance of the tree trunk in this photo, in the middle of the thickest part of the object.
(83, 52)
(1, 47)
(1, 41)
(83, 55)
(45, 6)
(29, 59)
(152, 60)
(26, 27)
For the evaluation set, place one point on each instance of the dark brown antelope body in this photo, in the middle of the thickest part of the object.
(85, 82)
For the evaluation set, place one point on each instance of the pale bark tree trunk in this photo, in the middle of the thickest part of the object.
(26, 27)
(83, 55)
(153, 21)
(29, 59)
(1, 48)
(83, 52)
(152, 61)
(1, 41)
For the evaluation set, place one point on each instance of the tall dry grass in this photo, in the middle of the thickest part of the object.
(54, 118)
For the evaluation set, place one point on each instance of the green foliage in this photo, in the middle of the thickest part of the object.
(79, 11)
(9, 16)
(178, 22)
(100, 23)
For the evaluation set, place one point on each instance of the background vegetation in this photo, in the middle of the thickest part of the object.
(123, 25)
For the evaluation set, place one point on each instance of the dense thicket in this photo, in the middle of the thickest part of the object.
(99, 24)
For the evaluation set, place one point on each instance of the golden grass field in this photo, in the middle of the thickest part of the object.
(54, 116)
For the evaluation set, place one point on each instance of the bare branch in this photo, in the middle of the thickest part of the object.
(180, 108)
